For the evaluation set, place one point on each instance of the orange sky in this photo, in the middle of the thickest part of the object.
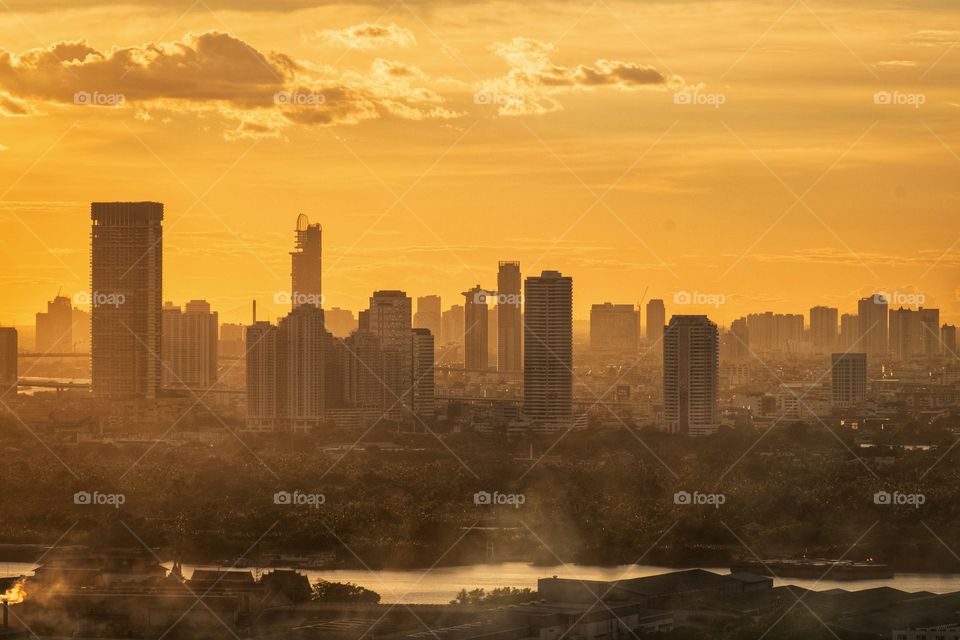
(732, 148)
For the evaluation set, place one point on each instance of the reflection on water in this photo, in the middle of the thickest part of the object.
(439, 586)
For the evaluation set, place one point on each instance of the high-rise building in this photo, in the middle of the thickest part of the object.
(81, 331)
(509, 318)
(428, 315)
(391, 320)
(849, 371)
(309, 376)
(771, 331)
(189, 345)
(948, 340)
(453, 325)
(306, 264)
(8, 361)
(872, 313)
(493, 344)
(850, 332)
(905, 334)
(929, 332)
(691, 376)
(823, 328)
(231, 340)
(55, 327)
(656, 320)
(737, 341)
(363, 372)
(476, 322)
(263, 377)
(614, 327)
(548, 349)
(423, 374)
(126, 295)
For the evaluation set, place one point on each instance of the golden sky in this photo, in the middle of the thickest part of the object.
(780, 154)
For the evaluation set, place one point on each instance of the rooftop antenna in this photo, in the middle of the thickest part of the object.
(254, 312)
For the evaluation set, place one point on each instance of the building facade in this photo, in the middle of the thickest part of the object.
(548, 349)
(509, 318)
(691, 376)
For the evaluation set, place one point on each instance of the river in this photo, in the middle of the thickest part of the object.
(439, 586)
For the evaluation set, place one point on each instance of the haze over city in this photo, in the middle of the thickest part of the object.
(487, 320)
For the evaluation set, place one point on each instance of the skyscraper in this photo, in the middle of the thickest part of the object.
(55, 327)
(872, 313)
(428, 315)
(738, 341)
(691, 376)
(850, 332)
(905, 334)
(453, 325)
(775, 331)
(509, 318)
(305, 262)
(948, 340)
(548, 349)
(307, 377)
(476, 322)
(126, 294)
(8, 361)
(823, 328)
(929, 332)
(189, 346)
(363, 372)
(613, 328)
(263, 377)
(422, 373)
(656, 320)
(390, 320)
(231, 344)
(849, 373)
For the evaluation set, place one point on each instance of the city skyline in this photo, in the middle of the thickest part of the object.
(770, 192)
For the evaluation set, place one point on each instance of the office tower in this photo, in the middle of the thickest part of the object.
(55, 327)
(690, 376)
(8, 361)
(231, 340)
(905, 334)
(422, 373)
(428, 315)
(823, 328)
(929, 332)
(390, 320)
(305, 262)
(126, 291)
(849, 372)
(340, 322)
(263, 377)
(509, 318)
(656, 320)
(308, 374)
(493, 344)
(476, 322)
(548, 349)
(948, 340)
(850, 332)
(613, 328)
(189, 345)
(453, 325)
(363, 372)
(872, 313)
